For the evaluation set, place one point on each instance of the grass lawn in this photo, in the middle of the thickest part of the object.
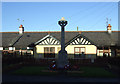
(87, 72)
(94, 72)
(33, 70)
(7, 66)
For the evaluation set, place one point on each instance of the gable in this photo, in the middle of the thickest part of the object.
(48, 40)
(80, 40)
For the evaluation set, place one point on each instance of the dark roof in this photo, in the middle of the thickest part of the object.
(103, 38)
(29, 38)
(68, 35)
(9, 38)
(100, 38)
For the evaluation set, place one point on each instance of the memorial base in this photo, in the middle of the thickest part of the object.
(62, 60)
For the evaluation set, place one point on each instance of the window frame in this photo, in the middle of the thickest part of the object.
(47, 54)
(79, 51)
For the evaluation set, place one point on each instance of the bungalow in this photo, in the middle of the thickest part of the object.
(79, 44)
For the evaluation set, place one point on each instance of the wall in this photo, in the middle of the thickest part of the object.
(101, 54)
(40, 50)
(89, 49)
(1, 48)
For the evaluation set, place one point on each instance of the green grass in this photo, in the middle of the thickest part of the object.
(34, 70)
(94, 72)
(6, 66)
(87, 72)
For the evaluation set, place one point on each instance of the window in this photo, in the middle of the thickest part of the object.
(82, 50)
(17, 48)
(79, 52)
(100, 53)
(24, 48)
(6, 49)
(104, 51)
(49, 52)
(118, 52)
(46, 50)
(77, 49)
(52, 50)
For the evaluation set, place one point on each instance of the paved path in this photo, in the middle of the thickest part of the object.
(27, 79)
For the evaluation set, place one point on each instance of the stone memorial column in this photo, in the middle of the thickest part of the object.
(62, 55)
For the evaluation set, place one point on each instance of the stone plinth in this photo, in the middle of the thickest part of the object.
(62, 59)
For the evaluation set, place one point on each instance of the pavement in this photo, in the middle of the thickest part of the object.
(61, 78)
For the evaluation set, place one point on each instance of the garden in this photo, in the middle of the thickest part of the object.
(79, 68)
(44, 71)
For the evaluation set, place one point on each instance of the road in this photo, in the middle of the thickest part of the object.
(60, 78)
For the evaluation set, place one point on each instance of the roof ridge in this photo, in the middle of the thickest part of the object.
(55, 31)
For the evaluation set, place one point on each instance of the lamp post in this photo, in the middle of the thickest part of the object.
(62, 55)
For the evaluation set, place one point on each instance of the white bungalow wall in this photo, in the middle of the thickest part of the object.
(40, 50)
(1, 48)
(89, 49)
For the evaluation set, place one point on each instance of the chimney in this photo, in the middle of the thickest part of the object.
(21, 29)
(109, 28)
